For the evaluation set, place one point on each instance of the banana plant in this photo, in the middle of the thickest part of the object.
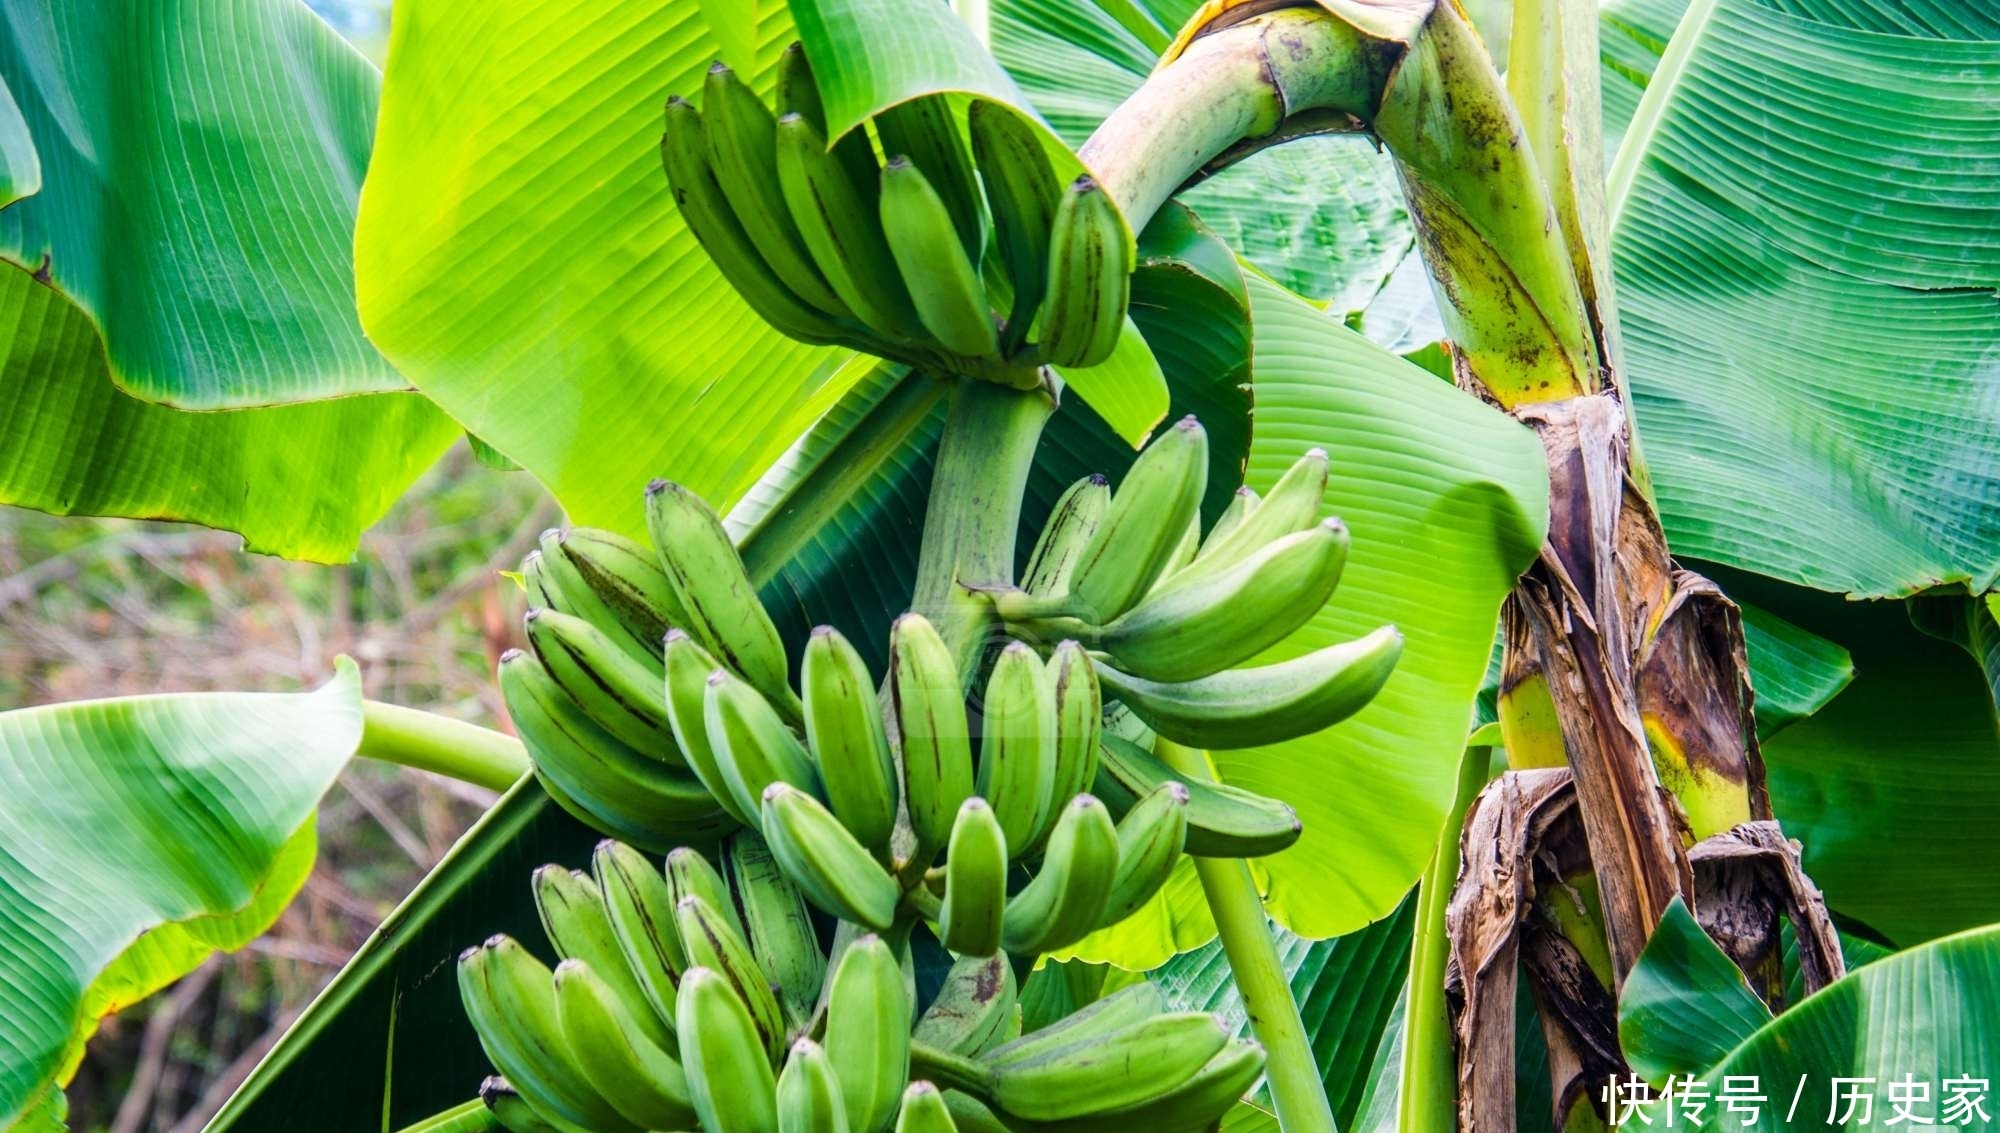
(522, 260)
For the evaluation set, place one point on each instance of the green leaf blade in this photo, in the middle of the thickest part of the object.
(1447, 501)
(1684, 1004)
(137, 835)
(200, 164)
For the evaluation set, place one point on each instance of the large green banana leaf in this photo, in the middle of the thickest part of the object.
(197, 168)
(301, 481)
(1916, 1027)
(1447, 502)
(1808, 303)
(1908, 756)
(139, 835)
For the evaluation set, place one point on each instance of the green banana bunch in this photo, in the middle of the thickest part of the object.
(829, 246)
(760, 1032)
(510, 997)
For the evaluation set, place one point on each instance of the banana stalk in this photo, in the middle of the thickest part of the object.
(1238, 906)
(974, 512)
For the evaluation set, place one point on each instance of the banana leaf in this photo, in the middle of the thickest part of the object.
(199, 165)
(1909, 1038)
(1809, 310)
(138, 836)
(158, 262)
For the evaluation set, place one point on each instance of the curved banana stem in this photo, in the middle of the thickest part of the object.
(429, 742)
(1296, 1087)
(1236, 83)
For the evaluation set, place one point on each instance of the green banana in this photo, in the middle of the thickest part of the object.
(1076, 515)
(928, 702)
(1101, 1019)
(1017, 747)
(1240, 708)
(688, 668)
(705, 208)
(1066, 898)
(844, 730)
(975, 887)
(641, 909)
(809, 1099)
(752, 746)
(626, 577)
(742, 150)
(798, 93)
(689, 874)
(713, 944)
(923, 131)
(729, 1076)
(975, 1010)
(943, 281)
(723, 611)
(621, 694)
(514, 1114)
(841, 223)
(1079, 721)
(868, 1033)
(590, 773)
(923, 1111)
(1148, 514)
(1242, 503)
(834, 871)
(1126, 1068)
(1151, 837)
(1222, 821)
(1022, 194)
(1090, 280)
(1293, 505)
(563, 586)
(1185, 632)
(776, 925)
(576, 921)
(1196, 1104)
(510, 998)
(640, 1080)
